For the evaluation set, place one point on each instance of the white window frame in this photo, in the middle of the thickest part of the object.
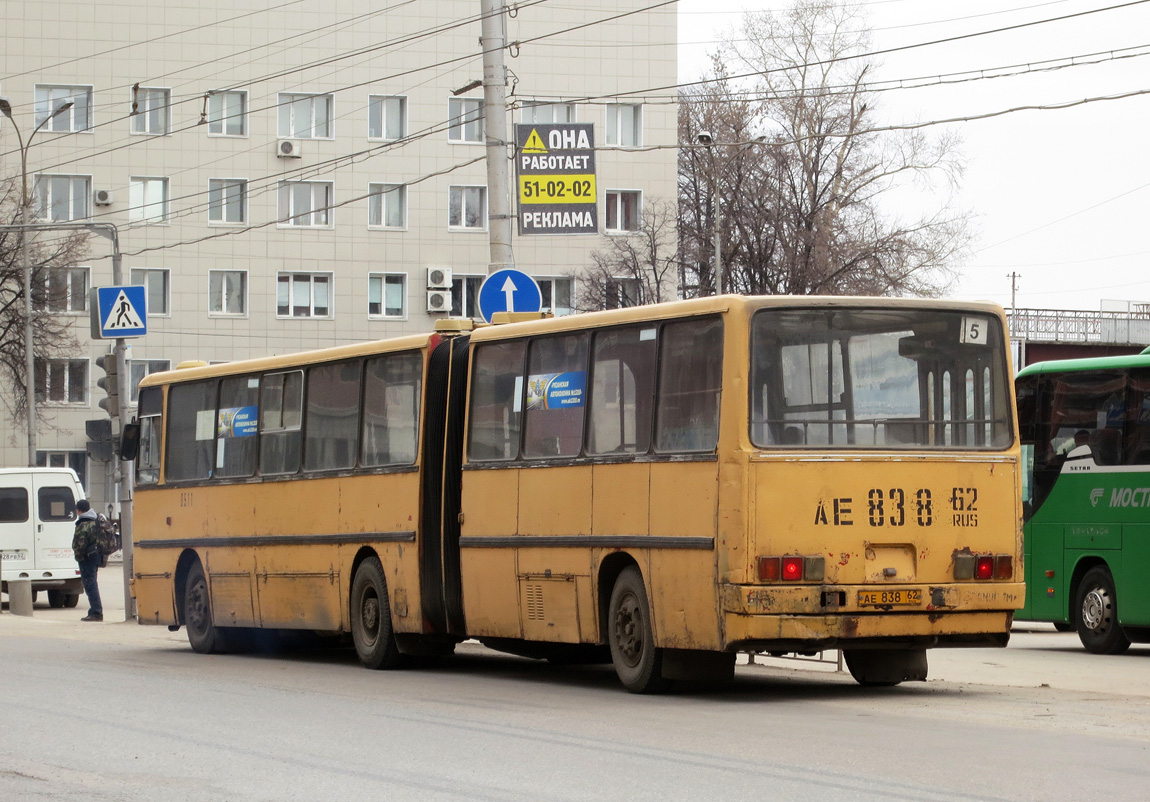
(42, 190)
(530, 112)
(461, 189)
(465, 121)
(218, 207)
(142, 204)
(149, 366)
(223, 293)
(550, 282)
(320, 214)
(50, 97)
(292, 276)
(459, 293)
(52, 366)
(77, 460)
(381, 279)
(608, 202)
(377, 107)
(377, 203)
(291, 105)
(615, 130)
(75, 302)
(147, 276)
(623, 282)
(222, 114)
(151, 111)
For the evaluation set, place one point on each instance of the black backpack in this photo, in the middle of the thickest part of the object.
(107, 536)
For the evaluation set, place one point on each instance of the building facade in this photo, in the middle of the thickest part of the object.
(285, 177)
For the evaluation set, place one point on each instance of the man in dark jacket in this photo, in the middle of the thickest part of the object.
(87, 553)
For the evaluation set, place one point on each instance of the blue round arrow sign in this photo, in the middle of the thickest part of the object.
(509, 291)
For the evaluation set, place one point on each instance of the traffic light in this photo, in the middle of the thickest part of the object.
(110, 384)
(99, 433)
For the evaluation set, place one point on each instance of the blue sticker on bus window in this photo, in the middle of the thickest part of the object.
(556, 390)
(238, 421)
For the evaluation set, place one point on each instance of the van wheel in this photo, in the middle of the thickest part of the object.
(203, 635)
(71, 599)
(637, 662)
(371, 629)
(56, 598)
(1098, 627)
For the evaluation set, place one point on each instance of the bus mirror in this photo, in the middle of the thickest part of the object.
(915, 348)
(130, 442)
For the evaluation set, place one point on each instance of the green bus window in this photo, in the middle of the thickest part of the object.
(690, 385)
(556, 396)
(237, 426)
(496, 401)
(331, 424)
(191, 431)
(1136, 449)
(622, 391)
(281, 414)
(392, 388)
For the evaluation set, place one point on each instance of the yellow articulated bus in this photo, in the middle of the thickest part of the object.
(669, 485)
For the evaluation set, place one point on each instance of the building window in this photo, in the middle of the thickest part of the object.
(77, 118)
(557, 294)
(305, 203)
(227, 113)
(76, 460)
(624, 125)
(465, 296)
(387, 295)
(386, 117)
(387, 205)
(229, 292)
(62, 381)
(303, 294)
(139, 368)
(467, 208)
(623, 292)
(227, 200)
(304, 116)
(622, 210)
(548, 112)
(60, 198)
(148, 200)
(155, 283)
(65, 290)
(465, 116)
(151, 111)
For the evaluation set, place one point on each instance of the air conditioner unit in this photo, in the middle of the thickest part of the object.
(289, 149)
(439, 278)
(438, 301)
(102, 197)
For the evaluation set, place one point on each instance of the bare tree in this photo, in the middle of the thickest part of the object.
(639, 267)
(52, 335)
(802, 173)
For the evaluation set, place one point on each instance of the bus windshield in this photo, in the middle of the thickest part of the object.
(886, 378)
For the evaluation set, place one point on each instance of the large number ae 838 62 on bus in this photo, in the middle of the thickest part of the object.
(661, 486)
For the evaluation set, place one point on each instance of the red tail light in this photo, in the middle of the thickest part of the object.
(769, 570)
(1003, 566)
(792, 569)
(984, 567)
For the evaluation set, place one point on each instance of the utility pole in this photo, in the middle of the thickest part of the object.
(492, 42)
(1013, 286)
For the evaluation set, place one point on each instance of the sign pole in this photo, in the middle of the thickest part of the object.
(491, 42)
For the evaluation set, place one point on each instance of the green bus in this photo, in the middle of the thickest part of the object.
(1085, 427)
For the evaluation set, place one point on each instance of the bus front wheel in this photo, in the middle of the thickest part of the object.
(1098, 627)
(371, 617)
(203, 635)
(637, 662)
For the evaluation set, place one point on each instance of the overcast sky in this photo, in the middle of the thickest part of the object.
(1060, 197)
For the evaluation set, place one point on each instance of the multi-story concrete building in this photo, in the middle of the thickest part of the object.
(285, 177)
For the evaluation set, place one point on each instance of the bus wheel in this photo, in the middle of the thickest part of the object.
(203, 635)
(637, 662)
(371, 617)
(1098, 627)
(885, 668)
(1062, 626)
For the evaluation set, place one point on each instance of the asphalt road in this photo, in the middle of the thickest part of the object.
(116, 711)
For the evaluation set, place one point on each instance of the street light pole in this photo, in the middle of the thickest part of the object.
(26, 264)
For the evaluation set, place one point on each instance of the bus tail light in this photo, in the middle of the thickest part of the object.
(984, 567)
(1003, 566)
(792, 568)
(769, 569)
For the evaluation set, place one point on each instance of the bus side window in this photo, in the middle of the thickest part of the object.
(622, 391)
(391, 395)
(1136, 449)
(331, 427)
(237, 424)
(556, 396)
(496, 401)
(191, 430)
(281, 414)
(690, 384)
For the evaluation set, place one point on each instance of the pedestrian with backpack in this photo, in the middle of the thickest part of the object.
(86, 549)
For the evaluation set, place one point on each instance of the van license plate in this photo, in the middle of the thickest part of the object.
(909, 597)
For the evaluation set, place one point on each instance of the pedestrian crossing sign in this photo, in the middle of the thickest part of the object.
(119, 312)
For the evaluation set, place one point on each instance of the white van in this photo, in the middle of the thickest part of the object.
(37, 521)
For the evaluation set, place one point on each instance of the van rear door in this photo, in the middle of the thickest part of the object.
(17, 540)
(55, 518)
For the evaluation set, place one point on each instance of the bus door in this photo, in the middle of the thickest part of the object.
(439, 562)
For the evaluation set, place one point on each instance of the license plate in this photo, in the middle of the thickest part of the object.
(14, 555)
(909, 597)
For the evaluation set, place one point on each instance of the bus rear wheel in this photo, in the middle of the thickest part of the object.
(637, 662)
(203, 635)
(1098, 627)
(885, 668)
(371, 629)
